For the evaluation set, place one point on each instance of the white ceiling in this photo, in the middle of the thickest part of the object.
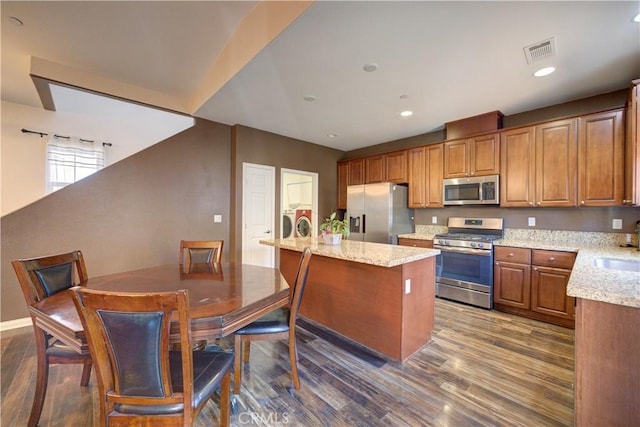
(451, 59)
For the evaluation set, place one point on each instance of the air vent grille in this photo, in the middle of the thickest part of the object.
(541, 50)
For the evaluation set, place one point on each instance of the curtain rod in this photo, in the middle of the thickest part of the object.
(42, 134)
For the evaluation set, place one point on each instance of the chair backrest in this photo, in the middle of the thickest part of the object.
(298, 288)
(45, 276)
(128, 337)
(200, 251)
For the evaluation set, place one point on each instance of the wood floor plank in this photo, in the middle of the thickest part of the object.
(482, 368)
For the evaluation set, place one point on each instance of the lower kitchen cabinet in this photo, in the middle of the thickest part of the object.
(418, 243)
(533, 283)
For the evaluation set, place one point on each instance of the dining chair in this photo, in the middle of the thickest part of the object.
(140, 381)
(279, 324)
(40, 278)
(200, 251)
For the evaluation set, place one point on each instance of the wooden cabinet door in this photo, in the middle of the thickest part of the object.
(517, 170)
(549, 292)
(484, 155)
(375, 169)
(417, 177)
(396, 166)
(434, 156)
(601, 159)
(356, 172)
(455, 159)
(556, 164)
(512, 284)
(632, 147)
(343, 181)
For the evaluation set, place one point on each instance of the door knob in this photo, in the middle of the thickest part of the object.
(267, 232)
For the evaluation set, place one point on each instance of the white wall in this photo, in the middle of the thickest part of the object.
(23, 156)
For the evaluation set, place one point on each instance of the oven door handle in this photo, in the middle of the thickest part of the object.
(481, 252)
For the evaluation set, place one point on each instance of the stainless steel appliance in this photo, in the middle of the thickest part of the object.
(478, 190)
(378, 212)
(464, 268)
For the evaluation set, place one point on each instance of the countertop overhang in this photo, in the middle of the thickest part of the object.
(379, 254)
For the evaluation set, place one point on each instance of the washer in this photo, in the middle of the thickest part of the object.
(303, 223)
(288, 222)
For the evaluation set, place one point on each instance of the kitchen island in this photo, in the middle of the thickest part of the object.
(380, 296)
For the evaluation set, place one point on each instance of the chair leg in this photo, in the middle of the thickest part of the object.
(225, 399)
(246, 350)
(293, 359)
(237, 364)
(42, 377)
(86, 373)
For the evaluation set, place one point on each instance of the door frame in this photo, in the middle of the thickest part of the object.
(314, 198)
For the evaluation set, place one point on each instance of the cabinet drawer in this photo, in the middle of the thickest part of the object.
(415, 243)
(509, 254)
(553, 258)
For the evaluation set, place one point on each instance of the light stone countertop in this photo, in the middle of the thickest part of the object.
(379, 254)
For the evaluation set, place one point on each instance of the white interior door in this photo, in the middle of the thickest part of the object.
(258, 211)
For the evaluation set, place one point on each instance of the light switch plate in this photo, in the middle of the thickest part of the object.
(616, 224)
(434, 220)
(532, 221)
(217, 218)
(407, 286)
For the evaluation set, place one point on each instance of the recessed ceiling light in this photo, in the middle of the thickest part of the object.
(406, 113)
(309, 98)
(403, 97)
(544, 71)
(637, 18)
(331, 135)
(16, 21)
(370, 67)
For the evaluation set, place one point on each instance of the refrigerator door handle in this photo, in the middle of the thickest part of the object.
(364, 223)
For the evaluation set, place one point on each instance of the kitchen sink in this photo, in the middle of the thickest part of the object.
(617, 264)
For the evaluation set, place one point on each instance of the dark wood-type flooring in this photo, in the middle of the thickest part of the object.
(482, 368)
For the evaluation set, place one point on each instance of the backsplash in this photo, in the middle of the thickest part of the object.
(582, 238)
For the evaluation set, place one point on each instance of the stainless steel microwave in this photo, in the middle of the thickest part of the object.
(478, 190)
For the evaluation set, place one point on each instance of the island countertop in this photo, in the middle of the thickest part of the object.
(379, 254)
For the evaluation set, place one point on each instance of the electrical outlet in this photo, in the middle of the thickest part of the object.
(217, 218)
(532, 221)
(434, 220)
(407, 286)
(616, 224)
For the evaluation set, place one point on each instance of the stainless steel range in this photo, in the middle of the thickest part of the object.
(464, 268)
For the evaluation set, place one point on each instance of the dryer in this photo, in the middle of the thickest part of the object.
(288, 224)
(303, 223)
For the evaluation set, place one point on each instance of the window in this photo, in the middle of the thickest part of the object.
(69, 161)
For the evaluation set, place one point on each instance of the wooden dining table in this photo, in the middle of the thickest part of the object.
(222, 297)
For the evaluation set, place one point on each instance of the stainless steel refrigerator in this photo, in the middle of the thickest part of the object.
(378, 212)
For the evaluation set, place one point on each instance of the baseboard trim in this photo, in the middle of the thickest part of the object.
(15, 324)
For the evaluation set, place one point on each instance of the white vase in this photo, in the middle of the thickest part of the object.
(332, 239)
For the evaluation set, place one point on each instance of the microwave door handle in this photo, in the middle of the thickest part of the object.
(481, 192)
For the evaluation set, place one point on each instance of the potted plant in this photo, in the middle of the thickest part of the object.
(333, 229)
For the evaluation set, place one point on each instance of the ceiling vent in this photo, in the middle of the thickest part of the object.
(541, 50)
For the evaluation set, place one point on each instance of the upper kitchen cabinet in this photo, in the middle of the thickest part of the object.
(375, 169)
(356, 172)
(350, 172)
(601, 159)
(540, 165)
(396, 166)
(632, 147)
(474, 156)
(343, 180)
(425, 176)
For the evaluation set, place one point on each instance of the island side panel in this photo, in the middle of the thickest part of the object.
(359, 301)
(418, 305)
